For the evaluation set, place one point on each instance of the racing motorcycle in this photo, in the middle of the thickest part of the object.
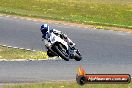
(58, 46)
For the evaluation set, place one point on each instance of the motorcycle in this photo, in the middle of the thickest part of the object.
(57, 46)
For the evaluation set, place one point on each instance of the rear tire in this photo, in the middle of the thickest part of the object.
(78, 56)
(59, 52)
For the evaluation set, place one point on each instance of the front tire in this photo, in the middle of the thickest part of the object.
(58, 50)
(50, 54)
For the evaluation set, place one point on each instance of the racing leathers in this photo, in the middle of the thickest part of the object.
(60, 34)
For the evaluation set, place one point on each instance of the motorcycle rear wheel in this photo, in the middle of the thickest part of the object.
(77, 56)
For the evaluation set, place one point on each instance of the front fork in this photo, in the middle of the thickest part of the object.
(72, 52)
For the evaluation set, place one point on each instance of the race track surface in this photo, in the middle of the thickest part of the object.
(103, 52)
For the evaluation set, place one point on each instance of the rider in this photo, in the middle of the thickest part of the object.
(46, 31)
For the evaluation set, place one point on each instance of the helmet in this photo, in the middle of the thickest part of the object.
(44, 28)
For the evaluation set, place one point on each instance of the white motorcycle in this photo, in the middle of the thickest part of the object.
(57, 46)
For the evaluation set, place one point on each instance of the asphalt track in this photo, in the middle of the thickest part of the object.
(103, 52)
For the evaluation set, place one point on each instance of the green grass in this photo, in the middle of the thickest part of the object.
(10, 53)
(98, 12)
(68, 85)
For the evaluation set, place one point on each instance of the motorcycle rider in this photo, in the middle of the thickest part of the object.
(46, 32)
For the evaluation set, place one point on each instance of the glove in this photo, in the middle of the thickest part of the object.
(71, 44)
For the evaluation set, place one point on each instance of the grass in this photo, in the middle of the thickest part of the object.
(98, 12)
(69, 85)
(11, 53)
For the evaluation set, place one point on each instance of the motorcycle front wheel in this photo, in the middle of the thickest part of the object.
(61, 51)
(50, 54)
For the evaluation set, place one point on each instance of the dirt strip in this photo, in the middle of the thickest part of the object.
(70, 24)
